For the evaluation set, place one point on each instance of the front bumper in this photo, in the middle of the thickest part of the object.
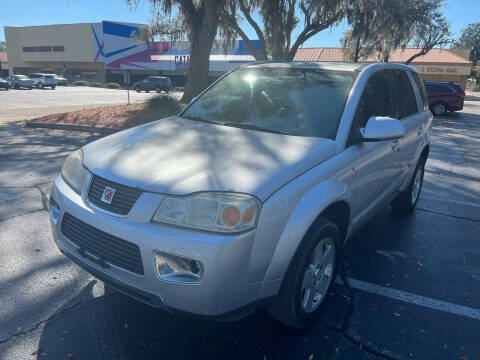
(225, 285)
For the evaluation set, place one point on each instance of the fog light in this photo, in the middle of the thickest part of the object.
(54, 211)
(177, 268)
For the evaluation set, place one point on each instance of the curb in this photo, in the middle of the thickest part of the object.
(83, 128)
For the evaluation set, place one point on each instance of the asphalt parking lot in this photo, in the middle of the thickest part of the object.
(414, 281)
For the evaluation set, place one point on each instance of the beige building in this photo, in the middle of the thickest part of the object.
(53, 48)
(437, 64)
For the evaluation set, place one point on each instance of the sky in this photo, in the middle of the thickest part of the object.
(459, 13)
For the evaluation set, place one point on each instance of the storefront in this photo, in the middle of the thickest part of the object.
(106, 52)
(437, 64)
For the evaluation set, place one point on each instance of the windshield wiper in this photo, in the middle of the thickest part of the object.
(197, 118)
(253, 127)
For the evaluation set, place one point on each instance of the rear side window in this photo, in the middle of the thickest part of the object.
(439, 89)
(405, 102)
(375, 100)
(421, 88)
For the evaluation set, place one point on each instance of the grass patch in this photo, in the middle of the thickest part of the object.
(81, 83)
(95, 84)
(163, 104)
(113, 85)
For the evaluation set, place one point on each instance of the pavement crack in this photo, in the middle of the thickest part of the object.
(25, 213)
(53, 317)
(449, 215)
(44, 197)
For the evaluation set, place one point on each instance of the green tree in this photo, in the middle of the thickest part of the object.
(470, 39)
(380, 26)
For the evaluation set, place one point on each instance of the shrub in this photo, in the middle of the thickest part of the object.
(164, 105)
(80, 83)
(95, 84)
(113, 85)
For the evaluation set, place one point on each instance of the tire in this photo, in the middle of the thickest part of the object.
(439, 108)
(15, 86)
(40, 86)
(137, 89)
(296, 304)
(147, 91)
(406, 201)
(30, 88)
(157, 89)
(53, 87)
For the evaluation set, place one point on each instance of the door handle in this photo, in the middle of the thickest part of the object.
(395, 144)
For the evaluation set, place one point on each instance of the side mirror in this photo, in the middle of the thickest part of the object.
(382, 128)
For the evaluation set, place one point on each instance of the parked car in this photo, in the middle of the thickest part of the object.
(4, 84)
(44, 80)
(444, 96)
(21, 81)
(157, 83)
(61, 81)
(275, 167)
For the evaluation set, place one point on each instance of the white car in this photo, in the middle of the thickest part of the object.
(246, 198)
(44, 80)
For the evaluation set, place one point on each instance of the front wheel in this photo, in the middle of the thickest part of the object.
(439, 108)
(406, 201)
(157, 89)
(309, 276)
(137, 89)
(40, 85)
(53, 87)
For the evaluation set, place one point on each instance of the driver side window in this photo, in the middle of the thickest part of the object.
(375, 101)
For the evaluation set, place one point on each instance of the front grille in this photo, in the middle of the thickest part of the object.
(123, 200)
(106, 247)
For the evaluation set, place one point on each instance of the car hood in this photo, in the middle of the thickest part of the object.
(180, 156)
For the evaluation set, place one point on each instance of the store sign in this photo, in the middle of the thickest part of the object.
(443, 69)
(181, 61)
(31, 49)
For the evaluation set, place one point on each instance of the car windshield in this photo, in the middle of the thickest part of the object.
(49, 77)
(291, 101)
(22, 77)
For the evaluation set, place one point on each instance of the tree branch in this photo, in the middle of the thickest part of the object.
(246, 12)
(307, 33)
(232, 22)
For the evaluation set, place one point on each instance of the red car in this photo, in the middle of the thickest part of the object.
(444, 96)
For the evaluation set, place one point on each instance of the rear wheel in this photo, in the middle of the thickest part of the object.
(406, 201)
(137, 89)
(309, 276)
(53, 87)
(158, 89)
(439, 108)
(40, 85)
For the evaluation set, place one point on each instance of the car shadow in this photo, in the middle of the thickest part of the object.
(114, 326)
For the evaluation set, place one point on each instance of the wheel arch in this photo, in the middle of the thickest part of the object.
(330, 200)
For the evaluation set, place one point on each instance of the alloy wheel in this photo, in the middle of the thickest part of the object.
(318, 275)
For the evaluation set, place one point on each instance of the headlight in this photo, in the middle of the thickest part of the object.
(73, 171)
(222, 212)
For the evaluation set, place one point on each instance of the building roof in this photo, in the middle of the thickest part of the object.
(3, 57)
(434, 56)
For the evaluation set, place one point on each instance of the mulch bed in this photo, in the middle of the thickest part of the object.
(116, 116)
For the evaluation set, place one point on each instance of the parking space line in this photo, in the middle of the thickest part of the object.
(413, 298)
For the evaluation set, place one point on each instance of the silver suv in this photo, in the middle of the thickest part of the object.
(246, 198)
(44, 80)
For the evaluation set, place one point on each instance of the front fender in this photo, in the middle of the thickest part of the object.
(302, 217)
